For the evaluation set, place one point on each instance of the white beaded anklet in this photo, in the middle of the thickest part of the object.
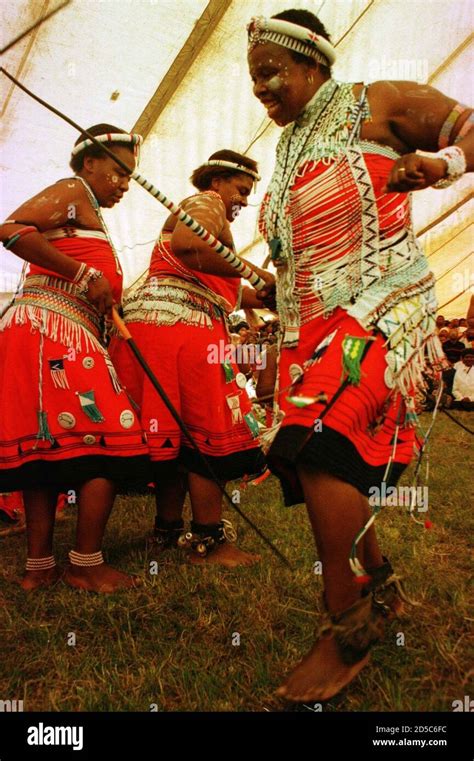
(78, 558)
(40, 564)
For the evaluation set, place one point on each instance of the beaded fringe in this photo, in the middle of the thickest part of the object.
(58, 328)
(53, 325)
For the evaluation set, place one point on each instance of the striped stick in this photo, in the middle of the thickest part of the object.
(199, 230)
(224, 252)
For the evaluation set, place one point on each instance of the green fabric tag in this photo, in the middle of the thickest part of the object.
(352, 351)
(87, 402)
(252, 424)
(228, 371)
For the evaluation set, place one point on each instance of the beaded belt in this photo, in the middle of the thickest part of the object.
(61, 297)
(196, 290)
(167, 300)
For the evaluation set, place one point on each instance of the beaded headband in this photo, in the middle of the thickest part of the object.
(114, 137)
(237, 167)
(292, 36)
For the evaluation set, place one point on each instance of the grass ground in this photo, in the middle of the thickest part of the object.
(172, 644)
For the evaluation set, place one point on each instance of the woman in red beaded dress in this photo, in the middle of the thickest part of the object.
(178, 320)
(357, 307)
(65, 421)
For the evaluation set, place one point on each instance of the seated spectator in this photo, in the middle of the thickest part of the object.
(468, 338)
(453, 348)
(463, 384)
(243, 330)
(454, 324)
(443, 335)
(440, 322)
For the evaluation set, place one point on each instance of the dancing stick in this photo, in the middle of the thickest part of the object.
(210, 240)
(125, 333)
(33, 27)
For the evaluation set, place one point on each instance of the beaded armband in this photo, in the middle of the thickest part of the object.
(448, 126)
(19, 234)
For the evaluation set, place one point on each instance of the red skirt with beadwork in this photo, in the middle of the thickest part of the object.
(356, 430)
(188, 361)
(64, 416)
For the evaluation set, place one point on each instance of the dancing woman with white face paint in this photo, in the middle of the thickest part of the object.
(357, 309)
(178, 320)
(66, 424)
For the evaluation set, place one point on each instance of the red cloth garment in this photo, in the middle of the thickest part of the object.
(185, 349)
(11, 505)
(355, 439)
(64, 417)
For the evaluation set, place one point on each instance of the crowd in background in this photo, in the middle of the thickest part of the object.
(264, 333)
(457, 339)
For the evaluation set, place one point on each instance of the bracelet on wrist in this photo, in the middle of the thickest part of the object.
(455, 160)
(89, 276)
(77, 277)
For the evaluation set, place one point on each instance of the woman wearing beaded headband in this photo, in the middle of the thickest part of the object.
(66, 424)
(355, 296)
(178, 320)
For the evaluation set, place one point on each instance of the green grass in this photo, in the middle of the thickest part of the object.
(170, 642)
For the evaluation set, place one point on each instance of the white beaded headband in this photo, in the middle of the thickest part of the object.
(292, 36)
(111, 137)
(231, 165)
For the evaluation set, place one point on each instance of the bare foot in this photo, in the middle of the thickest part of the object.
(99, 578)
(321, 674)
(227, 555)
(39, 579)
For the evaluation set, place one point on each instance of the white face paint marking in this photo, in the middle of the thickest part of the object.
(41, 200)
(111, 178)
(274, 84)
(418, 94)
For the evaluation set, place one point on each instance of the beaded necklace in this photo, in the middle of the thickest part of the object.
(328, 115)
(96, 207)
(321, 101)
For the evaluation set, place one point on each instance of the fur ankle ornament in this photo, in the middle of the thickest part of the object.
(358, 628)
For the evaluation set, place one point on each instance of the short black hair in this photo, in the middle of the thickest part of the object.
(202, 176)
(309, 21)
(77, 161)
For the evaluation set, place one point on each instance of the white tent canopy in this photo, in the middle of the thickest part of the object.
(176, 70)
